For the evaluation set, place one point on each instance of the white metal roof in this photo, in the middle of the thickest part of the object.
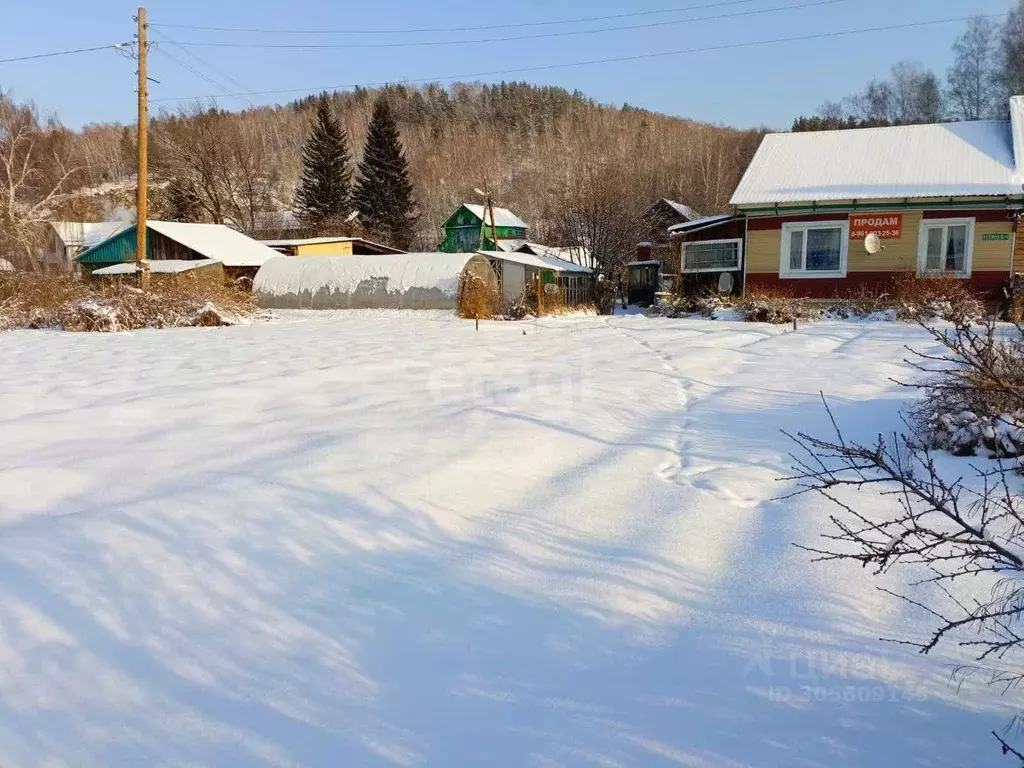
(707, 221)
(307, 241)
(216, 241)
(537, 262)
(570, 253)
(509, 245)
(156, 266)
(682, 209)
(503, 217)
(86, 233)
(974, 158)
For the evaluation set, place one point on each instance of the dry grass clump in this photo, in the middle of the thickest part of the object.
(478, 299)
(70, 304)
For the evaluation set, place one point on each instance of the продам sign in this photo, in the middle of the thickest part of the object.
(886, 226)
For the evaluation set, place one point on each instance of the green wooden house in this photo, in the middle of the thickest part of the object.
(469, 230)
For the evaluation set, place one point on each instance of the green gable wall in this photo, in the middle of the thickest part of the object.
(114, 250)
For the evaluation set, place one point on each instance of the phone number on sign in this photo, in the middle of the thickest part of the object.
(848, 693)
(885, 234)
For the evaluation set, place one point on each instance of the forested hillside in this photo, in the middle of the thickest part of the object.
(538, 150)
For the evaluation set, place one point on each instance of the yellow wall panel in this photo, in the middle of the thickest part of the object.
(992, 255)
(324, 249)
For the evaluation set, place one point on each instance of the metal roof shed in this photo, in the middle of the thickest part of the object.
(171, 240)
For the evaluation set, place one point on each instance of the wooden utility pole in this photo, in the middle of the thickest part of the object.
(141, 201)
(494, 228)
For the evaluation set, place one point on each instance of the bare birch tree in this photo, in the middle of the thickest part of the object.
(973, 91)
(36, 167)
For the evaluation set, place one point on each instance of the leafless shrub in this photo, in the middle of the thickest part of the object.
(929, 298)
(704, 304)
(949, 532)
(763, 305)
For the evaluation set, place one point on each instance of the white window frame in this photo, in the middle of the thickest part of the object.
(790, 227)
(739, 255)
(922, 246)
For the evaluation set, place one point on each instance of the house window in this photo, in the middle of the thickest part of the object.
(814, 249)
(945, 247)
(712, 255)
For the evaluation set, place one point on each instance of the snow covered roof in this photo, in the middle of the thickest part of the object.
(949, 159)
(503, 217)
(682, 209)
(85, 234)
(216, 241)
(309, 241)
(344, 274)
(293, 242)
(156, 266)
(702, 223)
(537, 262)
(570, 253)
(509, 245)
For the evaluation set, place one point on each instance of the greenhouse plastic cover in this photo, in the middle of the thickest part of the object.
(344, 274)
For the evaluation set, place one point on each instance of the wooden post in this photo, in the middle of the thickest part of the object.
(494, 229)
(540, 296)
(141, 200)
(679, 269)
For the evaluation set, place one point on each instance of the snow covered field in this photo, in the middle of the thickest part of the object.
(386, 539)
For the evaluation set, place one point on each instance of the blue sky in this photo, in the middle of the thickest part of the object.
(744, 86)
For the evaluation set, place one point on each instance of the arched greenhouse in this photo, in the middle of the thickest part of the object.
(400, 281)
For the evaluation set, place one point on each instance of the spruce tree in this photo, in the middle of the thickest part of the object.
(383, 193)
(323, 198)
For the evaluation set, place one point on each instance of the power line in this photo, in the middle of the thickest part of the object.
(608, 60)
(516, 38)
(481, 28)
(114, 47)
(193, 70)
(202, 63)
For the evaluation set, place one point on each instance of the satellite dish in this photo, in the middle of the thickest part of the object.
(550, 289)
(872, 243)
(725, 282)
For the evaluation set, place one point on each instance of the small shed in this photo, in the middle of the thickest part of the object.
(67, 239)
(469, 229)
(240, 255)
(519, 273)
(644, 282)
(398, 281)
(329, 246)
